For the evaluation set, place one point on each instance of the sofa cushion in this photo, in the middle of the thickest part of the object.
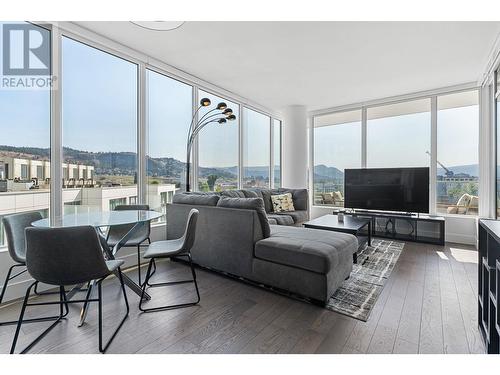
(310, 249)
(233, 194)
(281, 219)
(282, 202)
(255, 204)
(297, 216)
(265, 194)
(196, 199)
(250, 194)
(272, 220)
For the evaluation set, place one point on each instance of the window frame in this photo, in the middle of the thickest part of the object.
(363, 107)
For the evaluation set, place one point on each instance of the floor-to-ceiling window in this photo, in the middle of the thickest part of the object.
(496, 109)
(218, 148)
(277, 153)
(398, 135)
(457, 185)
(256, 149)
(169, 113)
(24, 125)
(99, 107)
(337, 146)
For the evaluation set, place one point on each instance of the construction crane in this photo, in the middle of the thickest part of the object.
(448, 173)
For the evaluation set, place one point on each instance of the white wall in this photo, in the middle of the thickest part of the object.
(295, 148)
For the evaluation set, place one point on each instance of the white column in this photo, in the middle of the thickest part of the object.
(295, 150)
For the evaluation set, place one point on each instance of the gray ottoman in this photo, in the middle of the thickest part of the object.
(308, 262)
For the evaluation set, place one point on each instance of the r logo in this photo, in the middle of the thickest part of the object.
(26, 50)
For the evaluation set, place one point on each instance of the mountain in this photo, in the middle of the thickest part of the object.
(116, 162)
(322, 172)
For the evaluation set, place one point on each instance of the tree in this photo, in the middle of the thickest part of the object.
(211, 181)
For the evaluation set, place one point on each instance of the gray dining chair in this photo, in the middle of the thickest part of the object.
(15, 225)
(67, 256)
(178, 248)
(117, 232)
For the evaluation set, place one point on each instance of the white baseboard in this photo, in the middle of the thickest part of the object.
(461, 238)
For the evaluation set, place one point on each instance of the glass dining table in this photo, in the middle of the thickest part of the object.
(101, 221)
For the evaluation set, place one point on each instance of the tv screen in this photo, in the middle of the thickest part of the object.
(387, 189)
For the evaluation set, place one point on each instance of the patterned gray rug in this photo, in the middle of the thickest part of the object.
(358, 294)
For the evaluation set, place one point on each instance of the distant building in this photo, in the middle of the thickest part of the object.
(21, 196)
(27, 169)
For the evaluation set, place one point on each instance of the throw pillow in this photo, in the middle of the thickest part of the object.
(282, 202)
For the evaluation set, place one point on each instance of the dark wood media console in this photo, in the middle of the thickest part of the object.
(488, 283)
(405, 227)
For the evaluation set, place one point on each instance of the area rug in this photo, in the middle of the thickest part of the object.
(358, 294)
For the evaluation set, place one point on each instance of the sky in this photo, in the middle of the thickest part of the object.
(401, 141)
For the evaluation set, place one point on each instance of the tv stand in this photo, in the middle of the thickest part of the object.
(405, 226)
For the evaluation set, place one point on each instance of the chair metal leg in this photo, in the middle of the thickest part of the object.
(152, 272)
(139, 261)
(194, 277)
(43, 293)
(8, 278)
(62, 314)
(102, 348)
(169, 307)
(85, 307)
(4, 288)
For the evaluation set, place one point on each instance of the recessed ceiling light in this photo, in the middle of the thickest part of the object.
(159, 25)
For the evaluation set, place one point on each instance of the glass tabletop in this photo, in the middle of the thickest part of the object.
(99, 219)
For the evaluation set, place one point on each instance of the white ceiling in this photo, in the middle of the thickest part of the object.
(317, 64)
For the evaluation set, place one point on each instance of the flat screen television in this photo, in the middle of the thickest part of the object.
(387, 189)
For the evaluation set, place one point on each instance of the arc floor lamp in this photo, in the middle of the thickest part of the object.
(221, 114)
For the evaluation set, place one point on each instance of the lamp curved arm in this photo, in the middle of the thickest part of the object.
(192, 120)
(191, 138)
(209, 117)
(205, 116)
(200, 127)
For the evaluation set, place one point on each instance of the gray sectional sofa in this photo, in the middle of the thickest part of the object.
(299, 197)
(234, 236)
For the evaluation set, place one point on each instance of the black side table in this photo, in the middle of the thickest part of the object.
(351, 225)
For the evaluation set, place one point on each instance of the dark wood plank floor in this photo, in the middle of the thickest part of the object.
(427, 306)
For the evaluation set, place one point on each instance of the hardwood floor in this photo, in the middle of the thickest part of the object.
(427, 306)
